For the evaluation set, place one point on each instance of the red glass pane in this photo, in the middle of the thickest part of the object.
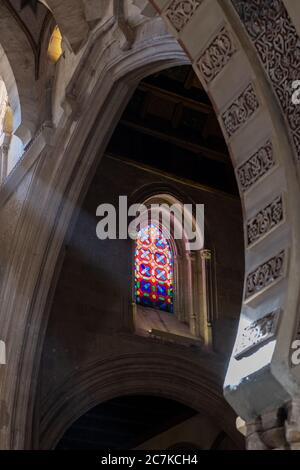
(153, 270)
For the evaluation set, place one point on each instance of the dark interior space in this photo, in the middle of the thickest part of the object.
(171, 125)
(124, 423)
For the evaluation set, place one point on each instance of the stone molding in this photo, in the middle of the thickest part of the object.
(171, 375)
(38, 145)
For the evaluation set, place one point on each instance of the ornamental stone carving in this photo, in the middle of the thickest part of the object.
(256, 334)
(265, 220)
(217, 55)
(240, 110)
(265, 275)
(278, 46)
(180, 12)
(257, 166)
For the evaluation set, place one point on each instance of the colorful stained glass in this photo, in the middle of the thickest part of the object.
(153, 270)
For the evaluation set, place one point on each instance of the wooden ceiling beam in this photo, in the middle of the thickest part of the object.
(192, 147)
(176, 98)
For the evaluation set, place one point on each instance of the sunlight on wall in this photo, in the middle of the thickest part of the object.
(3, 105)
(55, 46)
(8, 122)
(11, 146)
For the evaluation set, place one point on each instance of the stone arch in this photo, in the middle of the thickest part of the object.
(247, 111)
(173, 191)
(8, 78)
(167, 376)
(149, 56)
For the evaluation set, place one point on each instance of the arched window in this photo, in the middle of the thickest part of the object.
(154, 271)
(172, 283)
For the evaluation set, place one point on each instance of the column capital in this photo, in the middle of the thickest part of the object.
(206, 254)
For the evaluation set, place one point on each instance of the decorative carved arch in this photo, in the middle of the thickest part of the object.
(231, 44)
(167, 376)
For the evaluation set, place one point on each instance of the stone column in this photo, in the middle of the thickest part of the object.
(2, 353)
(179, 274)
(189, 293)
(292, 425)
(207, 309)
(196, 267)
(4, 149)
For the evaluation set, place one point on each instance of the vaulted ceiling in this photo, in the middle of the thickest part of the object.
(32, 17)
(124, 423)
(69, 15)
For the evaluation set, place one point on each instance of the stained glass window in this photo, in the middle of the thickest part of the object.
(153, 270)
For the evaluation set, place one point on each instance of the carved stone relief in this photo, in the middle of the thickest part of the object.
(217, 55)
(257, 166)
(265, 275)
(180, 12)
(256, 334)
(242, 108)
(278, 46)
(265, 220)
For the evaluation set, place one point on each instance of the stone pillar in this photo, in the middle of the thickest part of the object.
(189, 297)
(207, 307)
(179, 287)
(277, 429)
(292, 425)
(196, 268)
(2, 353)
(4, 150)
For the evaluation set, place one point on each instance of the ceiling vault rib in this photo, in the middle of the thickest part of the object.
(35, 46)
